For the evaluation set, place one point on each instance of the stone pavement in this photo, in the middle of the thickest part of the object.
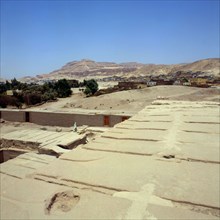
(43, 141)
(163, 163)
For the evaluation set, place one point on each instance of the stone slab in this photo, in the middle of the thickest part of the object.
(164, 174)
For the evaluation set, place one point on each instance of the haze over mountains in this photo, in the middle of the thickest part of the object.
(85, 68)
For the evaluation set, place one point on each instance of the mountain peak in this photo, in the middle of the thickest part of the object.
(87, 60)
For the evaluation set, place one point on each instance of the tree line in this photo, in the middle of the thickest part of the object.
(32, 94)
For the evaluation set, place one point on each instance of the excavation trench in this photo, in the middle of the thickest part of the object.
(6, 155)
(10, 149)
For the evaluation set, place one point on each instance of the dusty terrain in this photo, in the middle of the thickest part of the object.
(130, 101)
(162, 163)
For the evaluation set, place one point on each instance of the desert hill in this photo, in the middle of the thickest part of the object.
(207, 66)
(211, 66)
(89, 68)
(85, 69)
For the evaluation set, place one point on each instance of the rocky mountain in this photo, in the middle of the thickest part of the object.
(89, 68)
(211, 66)
(85, 69)
(207, 66)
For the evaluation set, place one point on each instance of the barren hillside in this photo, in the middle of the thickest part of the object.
(85, 69)
(89, 68)
(211, 66)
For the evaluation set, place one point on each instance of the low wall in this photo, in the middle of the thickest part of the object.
(65, 119)
(14, 115)
(60, 119)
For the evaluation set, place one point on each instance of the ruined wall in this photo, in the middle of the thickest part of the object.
(59, 119)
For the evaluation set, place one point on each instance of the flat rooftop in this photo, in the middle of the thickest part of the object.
(162, 163)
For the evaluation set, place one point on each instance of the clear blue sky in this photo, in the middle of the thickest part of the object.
(41, 36)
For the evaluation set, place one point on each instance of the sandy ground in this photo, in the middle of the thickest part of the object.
(130, 101)
(162, 163)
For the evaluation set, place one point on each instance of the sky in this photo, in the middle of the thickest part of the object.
(41, 36)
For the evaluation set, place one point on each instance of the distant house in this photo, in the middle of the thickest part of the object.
(128, 85)
(151, 83)
(141, 85)
(177, 82)
(9, 92)
(187, 83)
(198, 81)
(168, 81)
(125, 85)
(164, 81)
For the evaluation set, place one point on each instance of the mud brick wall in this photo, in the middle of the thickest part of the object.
(13, 115)
(65, 119)
(114, 119)
(59, 119)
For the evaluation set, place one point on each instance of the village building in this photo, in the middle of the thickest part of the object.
(151, 83)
